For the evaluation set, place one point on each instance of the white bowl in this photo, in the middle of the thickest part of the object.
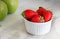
(37, 28)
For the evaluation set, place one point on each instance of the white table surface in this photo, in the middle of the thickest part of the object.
(13, 25)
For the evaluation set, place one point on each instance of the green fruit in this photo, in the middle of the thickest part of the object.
(12, 5)
(3, 10)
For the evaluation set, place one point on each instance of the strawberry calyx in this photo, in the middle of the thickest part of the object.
(42, 19)
(40, 7)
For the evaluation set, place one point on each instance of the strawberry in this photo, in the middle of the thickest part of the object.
(41, 10)
(47, 15)
(29, 13)
(42, 15)
(36, 18)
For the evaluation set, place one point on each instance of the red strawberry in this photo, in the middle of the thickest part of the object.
(47, 15)
(29, 13)
(41, 10)
(36, 18)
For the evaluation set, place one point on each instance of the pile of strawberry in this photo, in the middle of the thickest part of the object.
(41, 15)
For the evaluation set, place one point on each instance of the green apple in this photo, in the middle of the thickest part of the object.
(3, 10)
(12, 5)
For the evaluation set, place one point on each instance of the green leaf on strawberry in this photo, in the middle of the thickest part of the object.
(23, 14)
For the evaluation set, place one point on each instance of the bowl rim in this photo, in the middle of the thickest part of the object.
(40, 22)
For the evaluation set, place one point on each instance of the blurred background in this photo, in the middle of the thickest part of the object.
(13, 26)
